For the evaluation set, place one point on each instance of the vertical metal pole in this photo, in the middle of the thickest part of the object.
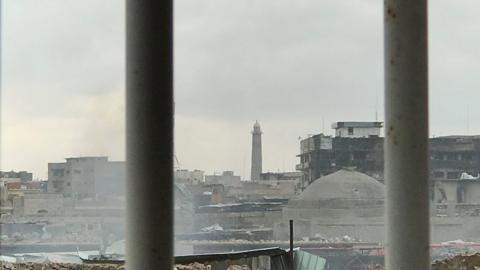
(406, 142)
(149, 82)
(291, 242)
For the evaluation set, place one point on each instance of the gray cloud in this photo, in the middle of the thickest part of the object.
(63, 72)
(288, 65)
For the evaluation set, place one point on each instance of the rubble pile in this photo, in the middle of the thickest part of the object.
(199, 266)
(192, 266)
(459, 262)
(58, 266)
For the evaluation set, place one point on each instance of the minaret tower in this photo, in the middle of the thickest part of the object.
(256, 152)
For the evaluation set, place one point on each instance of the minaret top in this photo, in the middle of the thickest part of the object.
(256, 128)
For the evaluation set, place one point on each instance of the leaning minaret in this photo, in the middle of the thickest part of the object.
(256, 152)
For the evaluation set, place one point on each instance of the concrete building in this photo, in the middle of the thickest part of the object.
(87, 177)
(13, 176)
(450, 156)
(256, 152)
(42, 204)
(357, 129)
(186, 176)
(322, 155)
(281, 176)
(227, 178)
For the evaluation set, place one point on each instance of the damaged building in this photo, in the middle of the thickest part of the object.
(359, 145)
(356, 144)
(455, 168)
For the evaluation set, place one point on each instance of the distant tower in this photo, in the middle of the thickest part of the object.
(256, 152)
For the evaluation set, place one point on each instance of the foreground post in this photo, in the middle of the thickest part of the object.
(149, 134)
(291, 242)
(406, 139)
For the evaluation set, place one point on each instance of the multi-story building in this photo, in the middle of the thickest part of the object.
(84, 177)
(357, 129)
(450, 156)
(455, 168)
(356, 144)
(454, 160)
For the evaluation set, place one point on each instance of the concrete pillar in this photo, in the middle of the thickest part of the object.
(149, 134)
(406, 140)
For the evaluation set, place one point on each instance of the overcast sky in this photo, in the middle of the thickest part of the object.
(286, 64)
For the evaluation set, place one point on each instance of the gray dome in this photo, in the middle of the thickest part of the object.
(344, 189)
(344, 184)
(337, 204)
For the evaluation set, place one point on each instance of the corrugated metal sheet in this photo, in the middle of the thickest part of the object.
(305, 261)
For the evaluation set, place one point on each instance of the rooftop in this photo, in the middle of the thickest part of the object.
(357, 125)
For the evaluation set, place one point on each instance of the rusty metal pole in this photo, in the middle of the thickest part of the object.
(149, 75)
(406, 139)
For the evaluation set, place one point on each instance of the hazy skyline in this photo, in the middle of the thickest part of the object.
(286, 65)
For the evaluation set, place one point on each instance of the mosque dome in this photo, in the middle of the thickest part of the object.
(341, 192)
(344, 184)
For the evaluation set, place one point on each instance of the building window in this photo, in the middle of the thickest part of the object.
(350, 131)
(57, 172)
(453, 175)
(460, 194)
(440, 175)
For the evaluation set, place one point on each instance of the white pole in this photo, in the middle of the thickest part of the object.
(406, 139)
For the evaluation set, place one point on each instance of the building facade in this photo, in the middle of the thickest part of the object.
(450, 157)
(227, 178)
(281, 176)
(321, 155)
(357, 129)
(13, 176)
(186, 176)
(87, 177)
(455, 168)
